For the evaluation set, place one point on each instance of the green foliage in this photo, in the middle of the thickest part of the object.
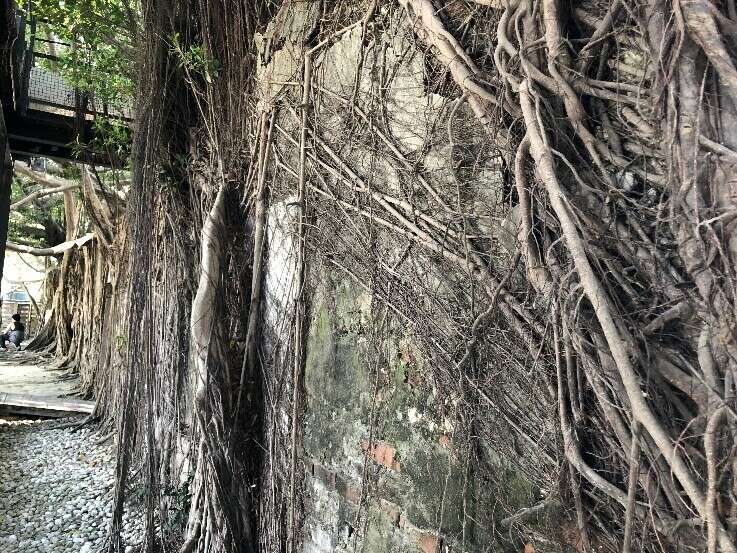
(180, 499)
(111, 136)
(94, 45)
(138, 493)
(99, 37)
(195, 59)
(121, 342)
(27, 223)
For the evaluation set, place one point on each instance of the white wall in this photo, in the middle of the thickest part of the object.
(24, 268)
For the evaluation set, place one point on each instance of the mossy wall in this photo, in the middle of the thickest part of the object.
(387, 468)
(384, 465)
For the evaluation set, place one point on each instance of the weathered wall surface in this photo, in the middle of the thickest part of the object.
(386, 467)
(451, 375)
(383, 463)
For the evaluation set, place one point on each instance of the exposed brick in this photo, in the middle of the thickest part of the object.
(430, 543)
(406, 354)
(383, 453)
(415, 378)
(572, 536)
(444, 441)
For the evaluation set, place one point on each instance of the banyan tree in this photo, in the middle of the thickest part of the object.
(530, 203)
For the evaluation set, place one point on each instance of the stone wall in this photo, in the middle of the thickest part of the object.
(386, 468)
(383, 465)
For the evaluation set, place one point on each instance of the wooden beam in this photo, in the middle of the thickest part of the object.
(40, 134)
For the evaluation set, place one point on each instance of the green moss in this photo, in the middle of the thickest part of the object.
(383, 536)
(433, 494)
(430, 486)
(335, 376)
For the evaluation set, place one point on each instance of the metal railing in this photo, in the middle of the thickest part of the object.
(40, 88)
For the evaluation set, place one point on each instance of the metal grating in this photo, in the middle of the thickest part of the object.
(46, 88)
(99, 108)
(49, 88)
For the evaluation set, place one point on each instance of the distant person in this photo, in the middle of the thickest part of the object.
(14, 332)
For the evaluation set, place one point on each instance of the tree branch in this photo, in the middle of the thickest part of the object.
(43, 192)
(54, 250)
(41, 178)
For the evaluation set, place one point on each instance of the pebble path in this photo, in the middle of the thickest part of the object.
(55, 489)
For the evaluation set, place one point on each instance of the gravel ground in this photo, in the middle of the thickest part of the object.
(55, 489)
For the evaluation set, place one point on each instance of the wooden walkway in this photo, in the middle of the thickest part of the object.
(28, 389)
(25, 404)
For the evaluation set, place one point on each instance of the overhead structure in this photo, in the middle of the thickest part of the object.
(45, 115)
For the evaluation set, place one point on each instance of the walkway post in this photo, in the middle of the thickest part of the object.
(8, 34)
(6, 182)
